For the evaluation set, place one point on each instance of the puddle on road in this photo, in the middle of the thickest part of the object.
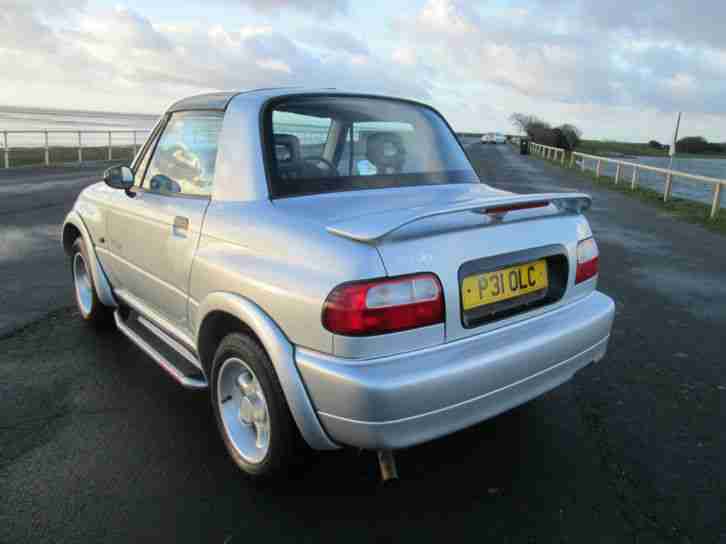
(633, 241)
(695, 290)
(42, 186)
(17, 244)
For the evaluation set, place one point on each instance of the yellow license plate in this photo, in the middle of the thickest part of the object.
(503, 284)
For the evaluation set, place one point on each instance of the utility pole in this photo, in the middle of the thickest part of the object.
(671, 152)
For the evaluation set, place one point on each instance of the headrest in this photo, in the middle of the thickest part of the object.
(287, 147)
(386, 151)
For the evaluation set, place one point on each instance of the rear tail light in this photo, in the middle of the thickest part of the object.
(587, 260)
(385, 305)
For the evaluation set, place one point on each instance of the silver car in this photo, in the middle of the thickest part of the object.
(331, 267)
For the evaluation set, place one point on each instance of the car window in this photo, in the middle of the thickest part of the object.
(185, 157)
(323, 144)
(139, 168)
(394, 138)
(299, 137)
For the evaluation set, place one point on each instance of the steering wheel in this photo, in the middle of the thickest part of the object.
(326, 162)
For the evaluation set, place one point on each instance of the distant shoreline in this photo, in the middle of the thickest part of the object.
(625, 150)
(58, 111)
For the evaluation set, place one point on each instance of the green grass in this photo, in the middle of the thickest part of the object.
(35, 156)
(605, 148)
(686, 210)
(597, 147)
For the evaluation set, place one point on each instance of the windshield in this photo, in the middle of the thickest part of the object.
(321, 144)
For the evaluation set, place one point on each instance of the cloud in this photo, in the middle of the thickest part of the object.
(590, 52)
(121, 52)
(612, 67)
(679, 21)
(320, 7)
(328, 38)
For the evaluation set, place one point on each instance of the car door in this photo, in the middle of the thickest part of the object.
(155, 232)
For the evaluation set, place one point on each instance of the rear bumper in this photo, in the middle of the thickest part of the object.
(410, 398)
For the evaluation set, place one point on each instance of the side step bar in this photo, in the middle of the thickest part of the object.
(169, 368)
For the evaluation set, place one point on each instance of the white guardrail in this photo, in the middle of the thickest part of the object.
(556, 153)
(54, 140)
(548, 152)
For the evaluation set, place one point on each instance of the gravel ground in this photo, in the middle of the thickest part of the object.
(97, 444)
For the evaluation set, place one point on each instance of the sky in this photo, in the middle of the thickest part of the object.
(617, 69)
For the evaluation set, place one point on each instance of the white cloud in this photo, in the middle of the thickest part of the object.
(105, 52)
(548, 55)
(328, 38)
(618, 68)
(319, 7)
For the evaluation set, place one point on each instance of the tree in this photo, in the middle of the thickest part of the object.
(566, 136)
(521, 121)
(696, 144)
(570, 136)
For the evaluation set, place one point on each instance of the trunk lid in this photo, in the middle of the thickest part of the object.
(442, 229)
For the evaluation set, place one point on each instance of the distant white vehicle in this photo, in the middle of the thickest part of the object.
(493, 138)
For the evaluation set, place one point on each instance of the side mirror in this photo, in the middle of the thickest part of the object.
(119, 177)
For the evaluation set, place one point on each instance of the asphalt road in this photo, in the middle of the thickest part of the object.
(97, 444)
(33, 203)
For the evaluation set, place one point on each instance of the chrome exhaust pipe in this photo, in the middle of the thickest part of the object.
(387, 464)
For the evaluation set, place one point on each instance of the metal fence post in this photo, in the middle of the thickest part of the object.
(6, 151)
(582, 164)
(563, 156)
(110, 153)
(716, 206)
(572, 159)
(634, 181)
(668, 186)
(80, 148)
(47, 150)
(597, 168)
(617, 173)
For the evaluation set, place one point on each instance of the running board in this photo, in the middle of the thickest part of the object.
(181, 378)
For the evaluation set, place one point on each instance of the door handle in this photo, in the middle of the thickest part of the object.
(181, 223)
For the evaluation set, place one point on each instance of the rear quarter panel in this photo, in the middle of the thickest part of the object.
(284, 264)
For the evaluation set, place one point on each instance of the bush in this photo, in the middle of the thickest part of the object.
(565, 136)
(698, 144)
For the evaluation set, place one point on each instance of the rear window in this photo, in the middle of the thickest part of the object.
(321, 144)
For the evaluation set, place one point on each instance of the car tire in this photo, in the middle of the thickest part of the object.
(251, 411)
(92, 310)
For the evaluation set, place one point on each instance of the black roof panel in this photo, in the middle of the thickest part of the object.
(210, 101)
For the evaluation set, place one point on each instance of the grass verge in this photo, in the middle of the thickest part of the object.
(35, 156)
(597, 147)
(687, 210)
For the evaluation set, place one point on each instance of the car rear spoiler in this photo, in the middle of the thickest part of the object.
(375, 226)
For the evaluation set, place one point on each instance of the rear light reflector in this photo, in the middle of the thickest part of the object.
(386, 305)
(587, 260)
(516, 207)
